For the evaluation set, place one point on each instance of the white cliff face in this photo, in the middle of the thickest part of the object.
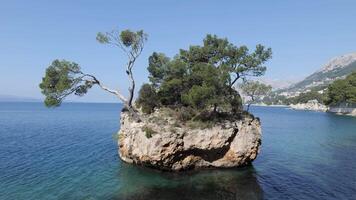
(310, 105)
(228, 145)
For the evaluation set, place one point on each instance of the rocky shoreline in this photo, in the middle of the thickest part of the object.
(177, 147)
(351, 111)
(310, 105)
(314, 105)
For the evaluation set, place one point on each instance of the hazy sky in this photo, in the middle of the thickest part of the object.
(303, 35)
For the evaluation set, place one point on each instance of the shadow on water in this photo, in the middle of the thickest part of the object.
(141, 184)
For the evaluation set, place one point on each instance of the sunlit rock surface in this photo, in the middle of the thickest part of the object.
(310, 105)
(177, 147)
(344, 109)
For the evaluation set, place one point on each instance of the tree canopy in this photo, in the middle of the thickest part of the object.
(61, 79)
(202, 77)
(342, 91)
(307, 96)
(255, 90)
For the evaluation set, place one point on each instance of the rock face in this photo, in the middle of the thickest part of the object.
(344, 109)
(226, 145)
(310, 105)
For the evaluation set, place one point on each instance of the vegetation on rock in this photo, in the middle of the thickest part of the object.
(149, 132)
(198, 82)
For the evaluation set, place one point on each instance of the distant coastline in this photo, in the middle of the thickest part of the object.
(13, 98)
(265, 105)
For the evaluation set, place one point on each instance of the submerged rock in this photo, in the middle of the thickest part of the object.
(165, 145)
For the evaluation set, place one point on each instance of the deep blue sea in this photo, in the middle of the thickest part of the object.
(70, 153)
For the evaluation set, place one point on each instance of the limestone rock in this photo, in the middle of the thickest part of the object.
(310, 105)
(231, 144)
(344, 109)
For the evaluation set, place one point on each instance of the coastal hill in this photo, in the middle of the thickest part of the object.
(337, 68)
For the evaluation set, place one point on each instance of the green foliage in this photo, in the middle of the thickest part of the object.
(275, 99)
(102, 38)
(148, 98)
(199, 124)
(61, 79)
(127, 37)
(157, 68)
(255, 89)
(202, 77)
(149, 132)
(198, 95)
(170, 92)
(221, 53)
(305, 97)
(342, 91)
(185, 113)
(129, 41)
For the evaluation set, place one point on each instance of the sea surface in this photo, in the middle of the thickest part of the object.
(70, 153)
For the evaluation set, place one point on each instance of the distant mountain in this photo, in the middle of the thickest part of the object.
(337, 68)
(12, 98)
(277, 84)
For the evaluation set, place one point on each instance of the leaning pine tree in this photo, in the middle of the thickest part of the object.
(63, 78)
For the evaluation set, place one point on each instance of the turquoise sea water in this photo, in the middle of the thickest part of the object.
(71, 153)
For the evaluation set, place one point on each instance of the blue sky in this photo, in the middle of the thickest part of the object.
(303, 35)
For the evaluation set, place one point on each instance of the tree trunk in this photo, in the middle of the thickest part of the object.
(215, 107)
(234, 81)
(131, 91)
(249, 104)
(248, 107)
(132, 87)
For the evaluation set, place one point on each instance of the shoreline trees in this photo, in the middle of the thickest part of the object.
(342, 91)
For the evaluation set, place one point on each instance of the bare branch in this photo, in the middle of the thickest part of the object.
(115, 92)
(96, 81)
